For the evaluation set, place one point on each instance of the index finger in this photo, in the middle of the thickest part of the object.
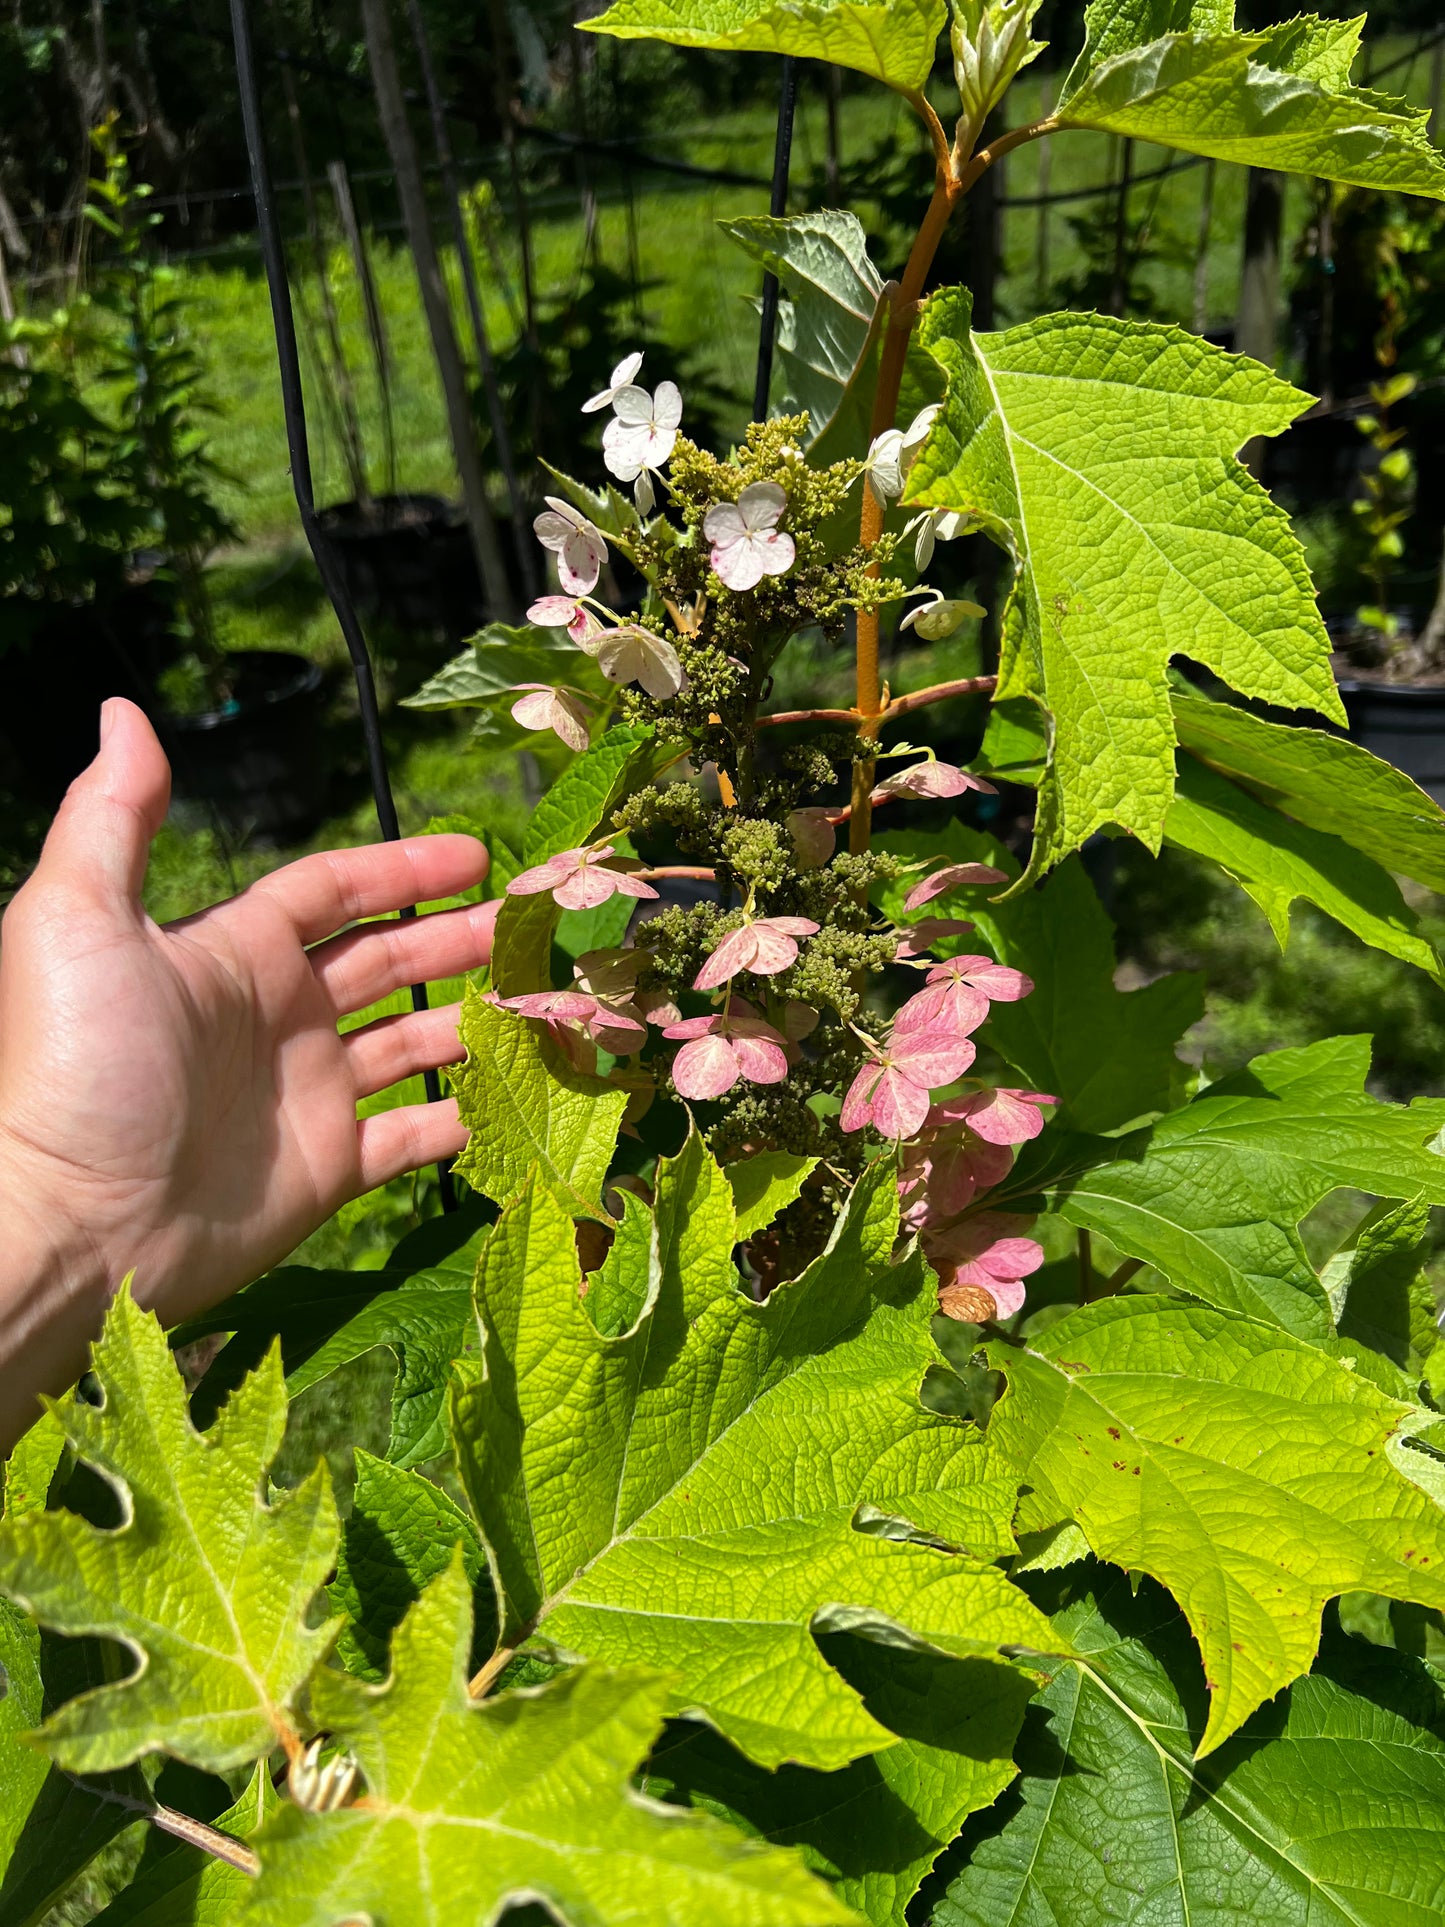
(323, 893)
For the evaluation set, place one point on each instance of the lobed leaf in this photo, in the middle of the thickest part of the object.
(875, 1827)
(1328, 1806)
(1244, 1469)
(1378, 1290)
(765, 1184)
(1324, 781)
(528, 1110)
(689, 1492)
(1100, 454)
(51, 1826)
(418, 1306)
(1179, 76)
(400, 1533)
(891, 40)
(208, 1588)
(501, 657)
(521, 1798)
(584, 796)
(1274, 859)
(1212, 1195)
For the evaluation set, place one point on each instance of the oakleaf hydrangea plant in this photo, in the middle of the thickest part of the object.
(876, 1446)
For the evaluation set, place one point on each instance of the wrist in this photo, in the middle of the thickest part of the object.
(54, 1288)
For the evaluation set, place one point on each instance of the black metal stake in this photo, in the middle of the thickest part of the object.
(294, 410)
(782, 154)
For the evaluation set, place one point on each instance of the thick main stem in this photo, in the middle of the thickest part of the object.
(902, 312)
(954, 176)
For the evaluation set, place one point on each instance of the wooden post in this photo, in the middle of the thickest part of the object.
(396, 130)
(1201, 258)
(467, 267)
(1041, 191)
(371, 307)
(1256, 328)
(1119, 281)
(981, 235)
(833, 161)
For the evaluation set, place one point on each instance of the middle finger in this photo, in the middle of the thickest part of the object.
(362, 965)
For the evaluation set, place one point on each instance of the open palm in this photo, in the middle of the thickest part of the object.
(177, 1101)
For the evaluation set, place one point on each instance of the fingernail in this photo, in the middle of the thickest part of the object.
(107, 719)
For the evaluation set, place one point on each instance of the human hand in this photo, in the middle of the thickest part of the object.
(178, 1101)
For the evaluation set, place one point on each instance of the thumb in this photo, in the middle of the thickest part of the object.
(100, 839)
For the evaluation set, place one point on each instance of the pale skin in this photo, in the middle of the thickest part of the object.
(177, 1102)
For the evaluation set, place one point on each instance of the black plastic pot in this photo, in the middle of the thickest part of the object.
(256, 770)
(1403, 724)
(53, 683)
(407, 561)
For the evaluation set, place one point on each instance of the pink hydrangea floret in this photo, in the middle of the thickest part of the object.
(986, 1252)
(946, 1168)
(544, 706)
(719, 1049)
(1003, 1116)
(764, 947)
(919, 938)
(930, 779)
(891, 1092)
(565, 612)
(954, 876)
(958, 993)
(578, 880)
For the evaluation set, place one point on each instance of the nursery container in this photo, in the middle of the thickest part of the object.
(1403, 724)
(255, 769)
(53, 683)
(407, 561)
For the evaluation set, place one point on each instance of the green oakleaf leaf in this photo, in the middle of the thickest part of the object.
(1327, 1807)
(208, 1588)
(418, 1306)
(875, 1827)
(709, 1488)
(400, 1533)
(1378, 1289)
(1242, 1468)
(1275, 860)
(1324, 781)
(521, 1798)
(528, 1110)
(1212, 1194)
(584, 796)
(893, 40)
(500, 658)
(764, 1185)
(1101, 455)
(822, 261)
(1176, 75)
(181, 1886)
(1106, 1054)
(51, 1826)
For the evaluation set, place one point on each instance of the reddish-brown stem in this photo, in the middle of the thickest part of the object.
(954, 176)
(195, 1833)
(938, 692)
(698, 872)
(808, 716)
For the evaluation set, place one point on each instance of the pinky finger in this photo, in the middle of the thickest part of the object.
(395, 1142)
